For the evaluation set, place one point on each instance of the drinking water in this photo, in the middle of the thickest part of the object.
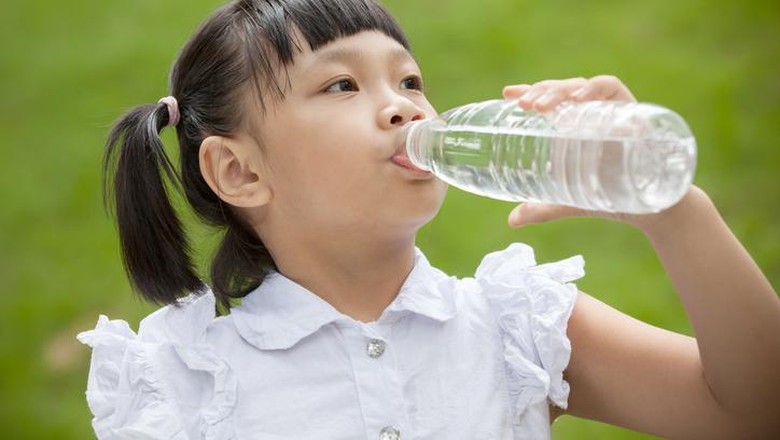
(597, 155)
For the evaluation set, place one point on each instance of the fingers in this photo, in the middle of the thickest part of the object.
(533, 213)
(530, 213)
(516, 91)
(546, 95)
(603, 87)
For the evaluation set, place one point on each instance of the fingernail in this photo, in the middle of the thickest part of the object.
(545, 99)
(515, 219)
(529, 96)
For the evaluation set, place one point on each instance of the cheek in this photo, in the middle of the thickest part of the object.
(426, 107)
(316, 164)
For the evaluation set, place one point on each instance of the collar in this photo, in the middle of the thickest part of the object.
(281, 312)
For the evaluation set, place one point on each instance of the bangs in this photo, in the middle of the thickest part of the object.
(272, 31)
(321, 22)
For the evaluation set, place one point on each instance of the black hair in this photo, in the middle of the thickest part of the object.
(238, 51)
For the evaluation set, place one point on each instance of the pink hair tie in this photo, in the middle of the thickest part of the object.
(173, 110)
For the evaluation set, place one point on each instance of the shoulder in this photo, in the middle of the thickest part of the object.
(511, 279)
(184, 322)
(516, 265)
(531, 304)
(150, 382)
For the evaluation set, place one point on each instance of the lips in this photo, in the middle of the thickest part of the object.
(401, 159)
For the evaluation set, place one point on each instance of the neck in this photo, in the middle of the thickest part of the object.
(358, 277)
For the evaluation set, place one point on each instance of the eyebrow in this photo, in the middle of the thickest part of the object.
(336, 55)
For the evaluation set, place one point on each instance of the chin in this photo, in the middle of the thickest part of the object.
(428, 203)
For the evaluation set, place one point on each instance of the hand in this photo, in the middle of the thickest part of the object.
(692, 205)
(544, 96)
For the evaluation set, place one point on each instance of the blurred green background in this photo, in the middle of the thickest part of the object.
(68, 69)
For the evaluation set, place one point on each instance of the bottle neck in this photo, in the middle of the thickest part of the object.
(419, 142)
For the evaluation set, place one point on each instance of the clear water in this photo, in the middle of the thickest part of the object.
(605, 174)
(600, 155)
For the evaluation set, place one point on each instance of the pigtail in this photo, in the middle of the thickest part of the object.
(155, 250)
(240, 263)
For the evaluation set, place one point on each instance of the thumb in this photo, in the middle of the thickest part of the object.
(532, 213)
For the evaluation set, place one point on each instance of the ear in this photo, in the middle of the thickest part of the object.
(233, 168)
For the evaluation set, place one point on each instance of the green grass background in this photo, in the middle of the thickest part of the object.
(68, 69)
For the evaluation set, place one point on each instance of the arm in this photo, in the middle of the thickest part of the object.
(724, 383)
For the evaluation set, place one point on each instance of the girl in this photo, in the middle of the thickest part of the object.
(335, 326)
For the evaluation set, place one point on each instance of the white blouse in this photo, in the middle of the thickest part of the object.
(472, 358)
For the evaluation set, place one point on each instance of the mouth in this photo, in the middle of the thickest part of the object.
(401, 159)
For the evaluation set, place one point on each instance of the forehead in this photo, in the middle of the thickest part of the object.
(366, 46)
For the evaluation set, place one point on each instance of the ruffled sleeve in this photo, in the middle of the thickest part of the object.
(164, 383)
(533, 304)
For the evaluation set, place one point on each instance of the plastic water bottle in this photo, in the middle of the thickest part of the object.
(597, 155)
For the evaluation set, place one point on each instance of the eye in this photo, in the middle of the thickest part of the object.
(342, 85)
(413, 82)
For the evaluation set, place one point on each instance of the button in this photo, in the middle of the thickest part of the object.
(375, 348)
(389, 433)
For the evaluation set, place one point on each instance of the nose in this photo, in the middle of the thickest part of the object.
(398, 111)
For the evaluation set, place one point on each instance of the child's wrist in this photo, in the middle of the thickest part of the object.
(690, 210)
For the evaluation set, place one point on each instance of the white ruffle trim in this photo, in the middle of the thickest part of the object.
(533, 304)
(131, 389)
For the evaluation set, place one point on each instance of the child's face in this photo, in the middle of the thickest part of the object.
(330, 144)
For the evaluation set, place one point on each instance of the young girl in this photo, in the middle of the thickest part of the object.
(334, 325)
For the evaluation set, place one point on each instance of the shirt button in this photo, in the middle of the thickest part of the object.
(389, 433)
(375, 348)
